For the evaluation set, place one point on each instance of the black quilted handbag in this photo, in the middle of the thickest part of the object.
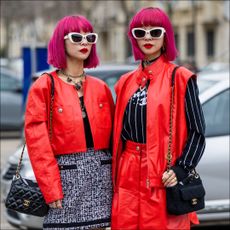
(188, 195)
(24, 195)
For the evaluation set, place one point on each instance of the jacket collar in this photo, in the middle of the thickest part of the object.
(151, 71)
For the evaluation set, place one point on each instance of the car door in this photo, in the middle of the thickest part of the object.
(214, 165)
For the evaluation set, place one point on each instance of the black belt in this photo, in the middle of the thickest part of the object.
(65, 167)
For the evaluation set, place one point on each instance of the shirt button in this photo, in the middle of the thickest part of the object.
(137, 148)
(60, 110)
(100, 105)
(150, 71)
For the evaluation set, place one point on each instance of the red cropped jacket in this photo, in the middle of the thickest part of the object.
(68, 135)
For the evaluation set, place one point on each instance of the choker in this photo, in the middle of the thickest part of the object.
(149, 62)
(71, 76)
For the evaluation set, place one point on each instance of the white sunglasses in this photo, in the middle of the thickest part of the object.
(140, 33)
(74, 37)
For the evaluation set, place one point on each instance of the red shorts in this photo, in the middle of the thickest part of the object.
(135, 205)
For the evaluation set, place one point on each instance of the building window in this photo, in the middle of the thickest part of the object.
(190, 44)
(176, 40)
(210, 43)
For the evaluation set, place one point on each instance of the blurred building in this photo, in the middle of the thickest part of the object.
(201, 27)
(201, 31)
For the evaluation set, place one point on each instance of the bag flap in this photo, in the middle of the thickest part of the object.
(189, 192)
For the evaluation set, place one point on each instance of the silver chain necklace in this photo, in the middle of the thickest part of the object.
(70, 79)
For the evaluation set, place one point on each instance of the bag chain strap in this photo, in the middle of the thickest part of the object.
(51, 116)
(169, 151)
(17, 175)
(20, 162)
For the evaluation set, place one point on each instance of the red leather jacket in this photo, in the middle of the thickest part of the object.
(68, 128)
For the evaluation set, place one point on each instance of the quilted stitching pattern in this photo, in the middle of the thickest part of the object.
(25, 197)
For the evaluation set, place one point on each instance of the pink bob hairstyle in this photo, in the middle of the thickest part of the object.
(56, 46)
(155, 17)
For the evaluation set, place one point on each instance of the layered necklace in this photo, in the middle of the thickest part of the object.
(71, 79)
(78, 86)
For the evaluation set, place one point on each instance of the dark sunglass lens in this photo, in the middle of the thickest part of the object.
(91, 37)
(76, 37)
(139, 33)
(156, 33)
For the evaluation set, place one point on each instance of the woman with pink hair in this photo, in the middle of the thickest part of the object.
(142, 128)
(68, 136)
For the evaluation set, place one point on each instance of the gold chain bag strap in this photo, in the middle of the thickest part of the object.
(188, 195)
(24, 195)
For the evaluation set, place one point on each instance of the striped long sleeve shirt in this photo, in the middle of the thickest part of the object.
(134, 126)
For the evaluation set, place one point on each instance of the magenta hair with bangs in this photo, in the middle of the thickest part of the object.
(56, 47)
(152, 16)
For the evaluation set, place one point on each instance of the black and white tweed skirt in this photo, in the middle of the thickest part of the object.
(87, 186)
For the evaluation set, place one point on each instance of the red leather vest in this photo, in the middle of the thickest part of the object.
(158, 107)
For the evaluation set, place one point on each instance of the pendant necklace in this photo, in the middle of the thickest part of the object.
(78, 86)
(83, 112)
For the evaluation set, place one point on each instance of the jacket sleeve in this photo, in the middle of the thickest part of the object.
(39, 147)
(112, 108)
(121, 82)
(110, 100)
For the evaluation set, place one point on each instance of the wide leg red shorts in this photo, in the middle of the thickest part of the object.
(135, 205)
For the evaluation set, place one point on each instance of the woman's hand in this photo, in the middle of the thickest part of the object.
(56, 204)
(169, 178)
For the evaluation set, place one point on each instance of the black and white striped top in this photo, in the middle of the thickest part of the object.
(134, 124)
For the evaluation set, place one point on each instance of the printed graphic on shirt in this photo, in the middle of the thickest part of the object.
(140, 97)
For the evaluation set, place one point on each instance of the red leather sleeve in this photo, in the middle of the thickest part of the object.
(110, 100)
(40, 152)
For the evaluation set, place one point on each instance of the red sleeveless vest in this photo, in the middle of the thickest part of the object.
(158, 107)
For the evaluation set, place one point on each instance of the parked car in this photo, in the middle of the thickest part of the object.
(215, 66)
(213, 167)
(11, 101)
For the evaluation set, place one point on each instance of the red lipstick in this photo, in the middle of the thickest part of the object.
(148, 46)
(84, 50)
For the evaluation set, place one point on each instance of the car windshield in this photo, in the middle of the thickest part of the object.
(205, 84)
(110, 77)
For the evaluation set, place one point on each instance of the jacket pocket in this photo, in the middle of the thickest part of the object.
(103, 115)
(63, 119)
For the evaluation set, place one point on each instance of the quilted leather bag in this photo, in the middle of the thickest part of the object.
(187, 195)
(24, 195)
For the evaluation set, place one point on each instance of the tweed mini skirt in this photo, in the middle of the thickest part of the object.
(87, 187)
